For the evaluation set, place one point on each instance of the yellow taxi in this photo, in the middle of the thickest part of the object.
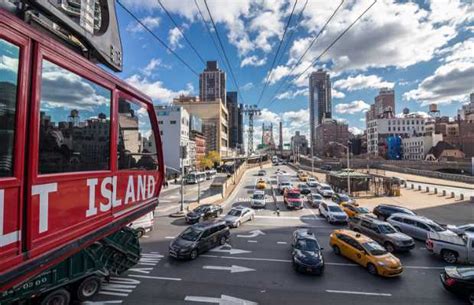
(353, 209)
(366, 252)
(303, 176)
(261, 184)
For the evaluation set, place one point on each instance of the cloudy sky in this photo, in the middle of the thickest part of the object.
(423, 49)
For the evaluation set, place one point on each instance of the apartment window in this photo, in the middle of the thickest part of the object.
(389, 129)
(71, 139)
(160, 122)
(172, 122)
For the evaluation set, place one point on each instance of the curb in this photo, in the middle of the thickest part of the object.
(177, 214)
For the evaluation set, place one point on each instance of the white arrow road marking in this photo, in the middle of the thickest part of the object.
(360, 293)
(155, 277)
(228, 249)
(281, 242)
(223, 300)
(102, 302)
(252, 234)
(232, 269)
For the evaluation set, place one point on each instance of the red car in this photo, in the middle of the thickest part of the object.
(293, 199)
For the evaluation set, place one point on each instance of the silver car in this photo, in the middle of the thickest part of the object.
(382, 232)
(416, 226)
(314, 199)
(238, 215)
(462, 229)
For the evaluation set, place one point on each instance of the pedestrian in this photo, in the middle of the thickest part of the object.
(278, 211)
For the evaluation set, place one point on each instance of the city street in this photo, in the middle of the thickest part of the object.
(256, 267)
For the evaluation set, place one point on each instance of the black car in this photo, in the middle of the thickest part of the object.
(203, 212)
(304, 189)
(384, 211)
(326, 167)
(306, 253)
(199, 238)
(459, 281)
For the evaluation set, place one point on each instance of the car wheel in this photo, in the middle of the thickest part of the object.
(88, 288)
(356, 230)
(222, 241)
(193, 254)
(57, 297)
(389, 246)
(140, 232)
(237, 224)
(471, 298)
(449, 256)
(336, 250)
(372, 269)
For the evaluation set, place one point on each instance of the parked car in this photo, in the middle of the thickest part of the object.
(383, 211)
(314, 199)
(461, 229)
(416, 226)
(304, 189)
(326, 167)
(312, 182)
(262, 172)
(340, 198)
(238, 215)
(366, 252)
(382, 232)
(199, 238)
(352, 210)
(332, 212)
(261, 184)
(459, 281)
(452, 248)
(258, 199)
(306, 253)
(325, 190)
(203, 212)
(293, 199)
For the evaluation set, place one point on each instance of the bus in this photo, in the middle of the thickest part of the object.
(210, 174)
(195, 177)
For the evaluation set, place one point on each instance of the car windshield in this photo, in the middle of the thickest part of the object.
(307, 245)
(317, 196)
(201, 209)
(294, 195)
(436, 227)
(326, 188)
(362, 210)
(258, 196)
(387, 229)
(191, 234)
(334, 208)
(344, 198)
(303, 186)
(374, 248)
(234, 212)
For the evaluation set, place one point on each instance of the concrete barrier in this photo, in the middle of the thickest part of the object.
(436, 191)
(427, 189)
(444, 192)
(419, 187)
(412, 186)
(472, 199)
(461, 197)
(452, 194)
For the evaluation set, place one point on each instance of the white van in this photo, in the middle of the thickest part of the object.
(143, 224)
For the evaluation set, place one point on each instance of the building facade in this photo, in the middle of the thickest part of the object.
(330, 132)
(383, 106)
(417, 147)
(235, 120)
(174, 129)
(212, 83)
(299, 144)
(214, 118)
(320, 105)
(197, 136)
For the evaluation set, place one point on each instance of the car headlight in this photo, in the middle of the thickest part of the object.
(381, 263)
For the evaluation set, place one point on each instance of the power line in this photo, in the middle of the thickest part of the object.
(223, 51)
(267, 78)
(157, 38)
(181, 32)
(310, 45)
(330, 46)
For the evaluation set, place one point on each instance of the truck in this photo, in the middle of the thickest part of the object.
(293, 199)
(283, 182)
(452, 248)
(80, 153)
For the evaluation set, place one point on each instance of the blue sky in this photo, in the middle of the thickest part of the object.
(424, 50)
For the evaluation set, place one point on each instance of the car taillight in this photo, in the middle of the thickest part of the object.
(449, 281)
(429, 244)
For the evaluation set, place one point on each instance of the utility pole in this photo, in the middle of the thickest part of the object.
(251, 111)
(183, 153)
(312, 159)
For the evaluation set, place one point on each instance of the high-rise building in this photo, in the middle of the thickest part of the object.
(212, 83)
(241, 129)
(280, 144)
(320, 105)
(299, 144)
(331, 131)
(383, 107)
(234, 112)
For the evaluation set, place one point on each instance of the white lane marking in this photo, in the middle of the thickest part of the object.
(360, 293)
(224, 299)
(281, 242)
(162, 210)
(169, 237)
(228, 249)
(276, 225)
(202, 299)
(252, 234)
(155, 277)
(232, 269)
(288, 217)
(423, 267)
(113, 293)
(311, 210)
(252, 241)
(145, 236)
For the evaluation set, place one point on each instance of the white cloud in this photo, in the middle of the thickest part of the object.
(155, 89)
(8, 63)
(353, 107)
(452, 81)
(268, 116)
(355, 130)
(253, 61)
(337, 94)
(247, 86)
(174, 38)
(361, 81)
(149, 21)
(154, 64)
(292, 94)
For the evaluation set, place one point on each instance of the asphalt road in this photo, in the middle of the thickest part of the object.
(255, 268)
